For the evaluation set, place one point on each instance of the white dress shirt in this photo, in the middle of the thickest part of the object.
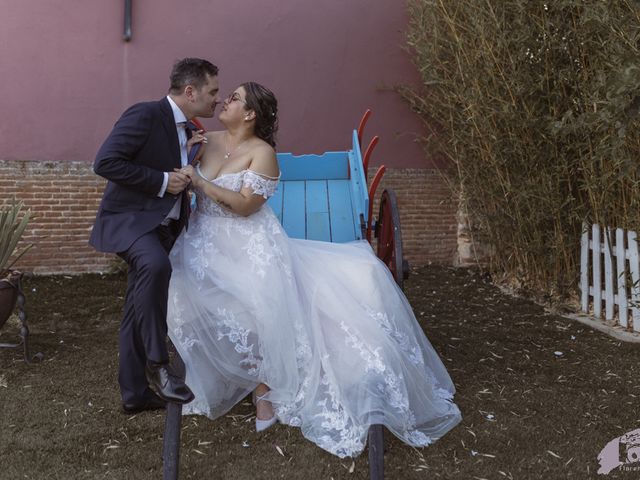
(181, 123)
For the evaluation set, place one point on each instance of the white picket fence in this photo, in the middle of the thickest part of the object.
(621, 279)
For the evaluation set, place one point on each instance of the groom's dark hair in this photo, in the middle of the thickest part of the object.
(191, 71)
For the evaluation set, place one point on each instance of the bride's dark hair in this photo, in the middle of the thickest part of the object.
(262, 101)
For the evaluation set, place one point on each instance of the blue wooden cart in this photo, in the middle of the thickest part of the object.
(325, 197)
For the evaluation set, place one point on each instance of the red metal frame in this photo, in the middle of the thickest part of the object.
(363, 123)
(367, 155)
(372, 191)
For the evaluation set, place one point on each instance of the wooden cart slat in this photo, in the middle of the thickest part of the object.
(293, 214)
(317, 210)
(328, 166)
(342, 226)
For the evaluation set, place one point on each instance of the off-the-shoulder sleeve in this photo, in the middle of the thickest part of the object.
(261, 184)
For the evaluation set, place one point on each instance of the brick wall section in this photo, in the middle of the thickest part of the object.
(427, 214)
(64, 196)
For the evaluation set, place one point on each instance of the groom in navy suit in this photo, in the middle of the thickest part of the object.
(144, 208)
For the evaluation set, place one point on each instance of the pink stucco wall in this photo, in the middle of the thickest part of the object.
(66, 74)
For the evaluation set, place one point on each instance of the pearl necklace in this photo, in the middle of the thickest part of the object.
(228, 153)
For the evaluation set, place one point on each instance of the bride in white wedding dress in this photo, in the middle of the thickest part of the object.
(319, 331)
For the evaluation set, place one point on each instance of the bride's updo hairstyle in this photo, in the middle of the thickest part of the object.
(263, 102)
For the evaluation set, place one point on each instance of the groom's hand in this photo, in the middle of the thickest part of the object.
(177, 182)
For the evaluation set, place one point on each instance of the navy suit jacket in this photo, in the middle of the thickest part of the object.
(142, 145)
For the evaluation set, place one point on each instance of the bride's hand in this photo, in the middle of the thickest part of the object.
(198, 137)
(190, 172)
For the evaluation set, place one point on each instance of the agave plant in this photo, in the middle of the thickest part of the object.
(11, 229)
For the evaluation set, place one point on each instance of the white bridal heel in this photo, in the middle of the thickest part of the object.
(262, 425)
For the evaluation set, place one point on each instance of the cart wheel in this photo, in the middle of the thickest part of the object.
(389, 237)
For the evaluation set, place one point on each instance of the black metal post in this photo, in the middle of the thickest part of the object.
(24, 330)
(171, 449)
(363, 227)
(173, 425)
(126, 36)
(376, 452)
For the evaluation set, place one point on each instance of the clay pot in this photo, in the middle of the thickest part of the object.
(8, 295)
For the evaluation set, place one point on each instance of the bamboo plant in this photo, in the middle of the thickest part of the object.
(532, 108)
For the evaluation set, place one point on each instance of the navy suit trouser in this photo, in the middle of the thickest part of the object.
(143, 330)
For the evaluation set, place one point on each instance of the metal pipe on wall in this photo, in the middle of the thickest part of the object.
(126, 36)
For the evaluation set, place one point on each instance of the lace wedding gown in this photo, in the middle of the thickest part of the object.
(324, 325)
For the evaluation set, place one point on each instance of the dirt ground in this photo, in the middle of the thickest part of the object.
(529, 411)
